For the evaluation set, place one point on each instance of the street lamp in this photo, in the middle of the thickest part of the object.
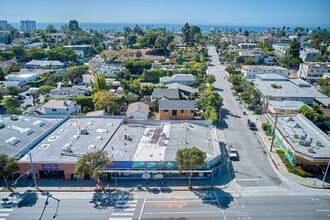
(326, 172)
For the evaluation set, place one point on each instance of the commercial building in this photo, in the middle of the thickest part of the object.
(282, 91)
(134, 147)
(284, 107)
(28, 26)
(250, 71)
(22, 78)
(247, 46)
(303, 143)
(313, 71)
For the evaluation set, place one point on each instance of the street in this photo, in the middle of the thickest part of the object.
(203, 204)
(253, 167)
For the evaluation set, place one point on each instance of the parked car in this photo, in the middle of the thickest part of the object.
(232, 153)
(252, 125)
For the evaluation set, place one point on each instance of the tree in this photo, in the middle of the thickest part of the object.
(93, 163)
(210, 79)
(45, 89)
(189, 159)
(249, 61)
(50, 29)
(13, 90)
(76, 72)
(294, 48)
(106, 100)
(99, 83)
(2, 75)
(138, 54)
(73, 25)
(19, 53)
(36, 53)
(8, 166)
(314, 114)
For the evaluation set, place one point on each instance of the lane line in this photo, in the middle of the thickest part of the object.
(144, 202)
(175, 213)
(224, 216)
(320, 210)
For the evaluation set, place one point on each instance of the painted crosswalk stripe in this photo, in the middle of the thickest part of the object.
(6, 210)
(122, 213)
(125, 210)
(4, 214)
(126, 205)
(111, 218)
(127, 201)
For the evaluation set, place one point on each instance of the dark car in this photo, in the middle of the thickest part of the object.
(252, 125)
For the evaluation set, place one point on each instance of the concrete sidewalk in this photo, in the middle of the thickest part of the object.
(277, 161)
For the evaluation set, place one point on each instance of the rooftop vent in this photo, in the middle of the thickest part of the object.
(83, 131)
(43, 146)
(52, 138)
(287, 119)
(66, 149)
(128, 137)
(100, 130)
(27, 131)
(99, 138)
(38, 123)
(13, 140)
(92, 146)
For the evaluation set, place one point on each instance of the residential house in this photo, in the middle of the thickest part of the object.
(176, 109)
(39, 45)
(247, 46)
(45, 64)
(184, 90)
(281, 49)
(137, 110)
(160, 93)
(56, 37)
(73, 91)
(313, 71)
(177, 78)
(80, 50)
(60, 107)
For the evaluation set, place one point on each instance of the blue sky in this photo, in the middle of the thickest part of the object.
(307, 13)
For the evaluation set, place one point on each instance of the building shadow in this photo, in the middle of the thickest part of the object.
(106, 199)
(215, 197)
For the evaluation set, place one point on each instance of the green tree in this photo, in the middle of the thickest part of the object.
(210, 79)
(294, 48)
(8, 166)
(76, 72)
(189, 159)
(12, 90)
(45, 89)
(249, 61)
(314, 114)
(36, 53)
(106, 100)
(93, 164)
(99, 83)
(138, 54)
(73, 25)
(50, 29)
(2, 75)
(19, 53)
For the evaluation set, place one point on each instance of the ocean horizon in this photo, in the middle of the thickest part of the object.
(170, 27)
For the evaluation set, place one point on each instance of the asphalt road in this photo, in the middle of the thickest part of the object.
(252, 168)
(215, 204)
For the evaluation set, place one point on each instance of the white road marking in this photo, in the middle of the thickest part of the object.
(224, 216)
(125, 210)
(320, 210)
(4, 214)
(175, 213)
(247, 179)
(6, 210)
(126, 205)
(111, 218)
(144, 202)
(175, 201)
(121, 213)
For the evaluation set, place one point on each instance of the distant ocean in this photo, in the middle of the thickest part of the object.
(170, 27)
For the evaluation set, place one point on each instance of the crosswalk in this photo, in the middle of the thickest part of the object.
(5, 213)
(124, 210)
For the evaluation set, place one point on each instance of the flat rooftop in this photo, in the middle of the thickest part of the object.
(255, 67)
(304, 137)
(287, 105)
(288, 89)
(21, 131)
(271, 76)
(68, 136)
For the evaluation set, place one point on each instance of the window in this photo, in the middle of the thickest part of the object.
(165, 110)
(174, 113)
(53, 110)
(192, 111)
(181, 111)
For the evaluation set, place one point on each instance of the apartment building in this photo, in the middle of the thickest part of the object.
(313, 71)
(250, 71)
(28, 26)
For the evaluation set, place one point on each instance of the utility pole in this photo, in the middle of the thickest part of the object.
(326, 172)
(33, 173)
(273, 136)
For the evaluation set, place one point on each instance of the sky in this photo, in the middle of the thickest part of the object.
(274, 13)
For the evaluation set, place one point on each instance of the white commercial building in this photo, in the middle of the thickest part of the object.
(280, 49)
(250, 71)
(308, 54)
(22, 78)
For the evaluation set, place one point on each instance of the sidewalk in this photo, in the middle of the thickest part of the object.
(276, 160)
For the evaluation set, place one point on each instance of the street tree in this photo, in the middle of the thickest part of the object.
(12, 90)
(189, 159)
(93, 164)
(99, 83)
(2, 75)
(8, 166)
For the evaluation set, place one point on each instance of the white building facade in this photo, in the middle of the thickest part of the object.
(250, 71)
(313, 71)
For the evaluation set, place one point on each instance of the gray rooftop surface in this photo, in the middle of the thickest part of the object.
(300, 82)
(14, 128)
(255, 67)
(287, 105)
(159, 93)
(271, 76)
(288, 89)
(303, 134)
(176, 104)
(100, 130)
